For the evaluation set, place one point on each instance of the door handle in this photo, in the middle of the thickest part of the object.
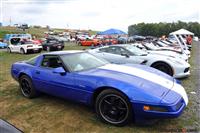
(37, 72)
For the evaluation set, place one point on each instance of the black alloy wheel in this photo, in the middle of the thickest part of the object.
(27, 87)
(113, 107)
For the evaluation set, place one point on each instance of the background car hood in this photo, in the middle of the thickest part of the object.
(169, 53)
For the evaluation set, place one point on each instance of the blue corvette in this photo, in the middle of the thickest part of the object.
(119, 93)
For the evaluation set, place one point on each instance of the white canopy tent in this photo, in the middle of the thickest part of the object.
(182, 32)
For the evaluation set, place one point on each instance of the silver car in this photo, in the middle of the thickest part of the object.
(122, 54)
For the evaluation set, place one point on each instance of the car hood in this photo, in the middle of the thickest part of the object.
(151, 82)
(169, 53)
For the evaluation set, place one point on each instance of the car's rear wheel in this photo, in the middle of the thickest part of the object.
(39, 51)
(79, 44)
(163, 67)
(113, 107)
(22, 51)
(9, 50)
(27, 87)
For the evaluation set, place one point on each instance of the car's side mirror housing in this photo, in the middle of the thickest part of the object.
(59, 70)
(125, 54)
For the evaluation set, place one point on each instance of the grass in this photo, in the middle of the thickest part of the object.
(37, 32)
(51, 114)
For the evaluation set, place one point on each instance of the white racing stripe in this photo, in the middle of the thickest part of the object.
(180, 90)
(140, 73)
(148, 76)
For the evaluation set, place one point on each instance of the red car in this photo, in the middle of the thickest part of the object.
(89, 42)
(109, 41)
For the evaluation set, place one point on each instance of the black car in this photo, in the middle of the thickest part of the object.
(52, 44)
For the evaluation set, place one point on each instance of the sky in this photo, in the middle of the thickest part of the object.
(97, 14)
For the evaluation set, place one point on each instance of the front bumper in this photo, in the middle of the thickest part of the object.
(33, 50)
(58, 47)
(172, 111)
(182, 72)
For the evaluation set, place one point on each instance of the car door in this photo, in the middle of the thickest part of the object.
(118, 55)
(53, 83)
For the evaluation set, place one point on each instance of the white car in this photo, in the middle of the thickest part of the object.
(167, 51)
(122, 54)
(18, 45)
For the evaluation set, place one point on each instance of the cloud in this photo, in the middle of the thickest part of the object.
(99, 14)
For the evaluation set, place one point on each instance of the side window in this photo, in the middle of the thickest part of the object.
(124, 51)
(15, 41)
(51, 62)
(114, 50)
(104, 49)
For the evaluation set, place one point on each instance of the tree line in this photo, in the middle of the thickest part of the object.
(159, 29)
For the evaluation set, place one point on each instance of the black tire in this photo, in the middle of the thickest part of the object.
(39, 51)
(163, 67)
(79, 44)
(9, 50)
(26, 87)
(22, 51)
(117, 114)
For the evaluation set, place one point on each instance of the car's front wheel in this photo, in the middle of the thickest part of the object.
(26, 87)
(113, 107)
(22, 51)
(9, 50)
(163, 67)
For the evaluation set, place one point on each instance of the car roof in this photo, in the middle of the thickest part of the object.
(121, 45)
(64, 52)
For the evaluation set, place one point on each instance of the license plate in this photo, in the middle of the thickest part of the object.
(36, 49)
(59, 46)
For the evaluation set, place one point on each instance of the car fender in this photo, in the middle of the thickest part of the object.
(25, 72)
(134, 94)
(24, 47)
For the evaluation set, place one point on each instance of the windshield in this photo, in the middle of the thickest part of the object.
(82, 61)
(151, 46)
(135, 50)
(27, 42)
(32, 61)
(162, 44)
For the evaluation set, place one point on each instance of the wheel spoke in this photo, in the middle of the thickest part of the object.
(107, 102)
(25, 87)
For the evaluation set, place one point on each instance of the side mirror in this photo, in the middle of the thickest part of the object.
(124, 54)
(59, 70)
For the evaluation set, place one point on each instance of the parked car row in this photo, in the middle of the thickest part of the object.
(24, 46)
(172, 63)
